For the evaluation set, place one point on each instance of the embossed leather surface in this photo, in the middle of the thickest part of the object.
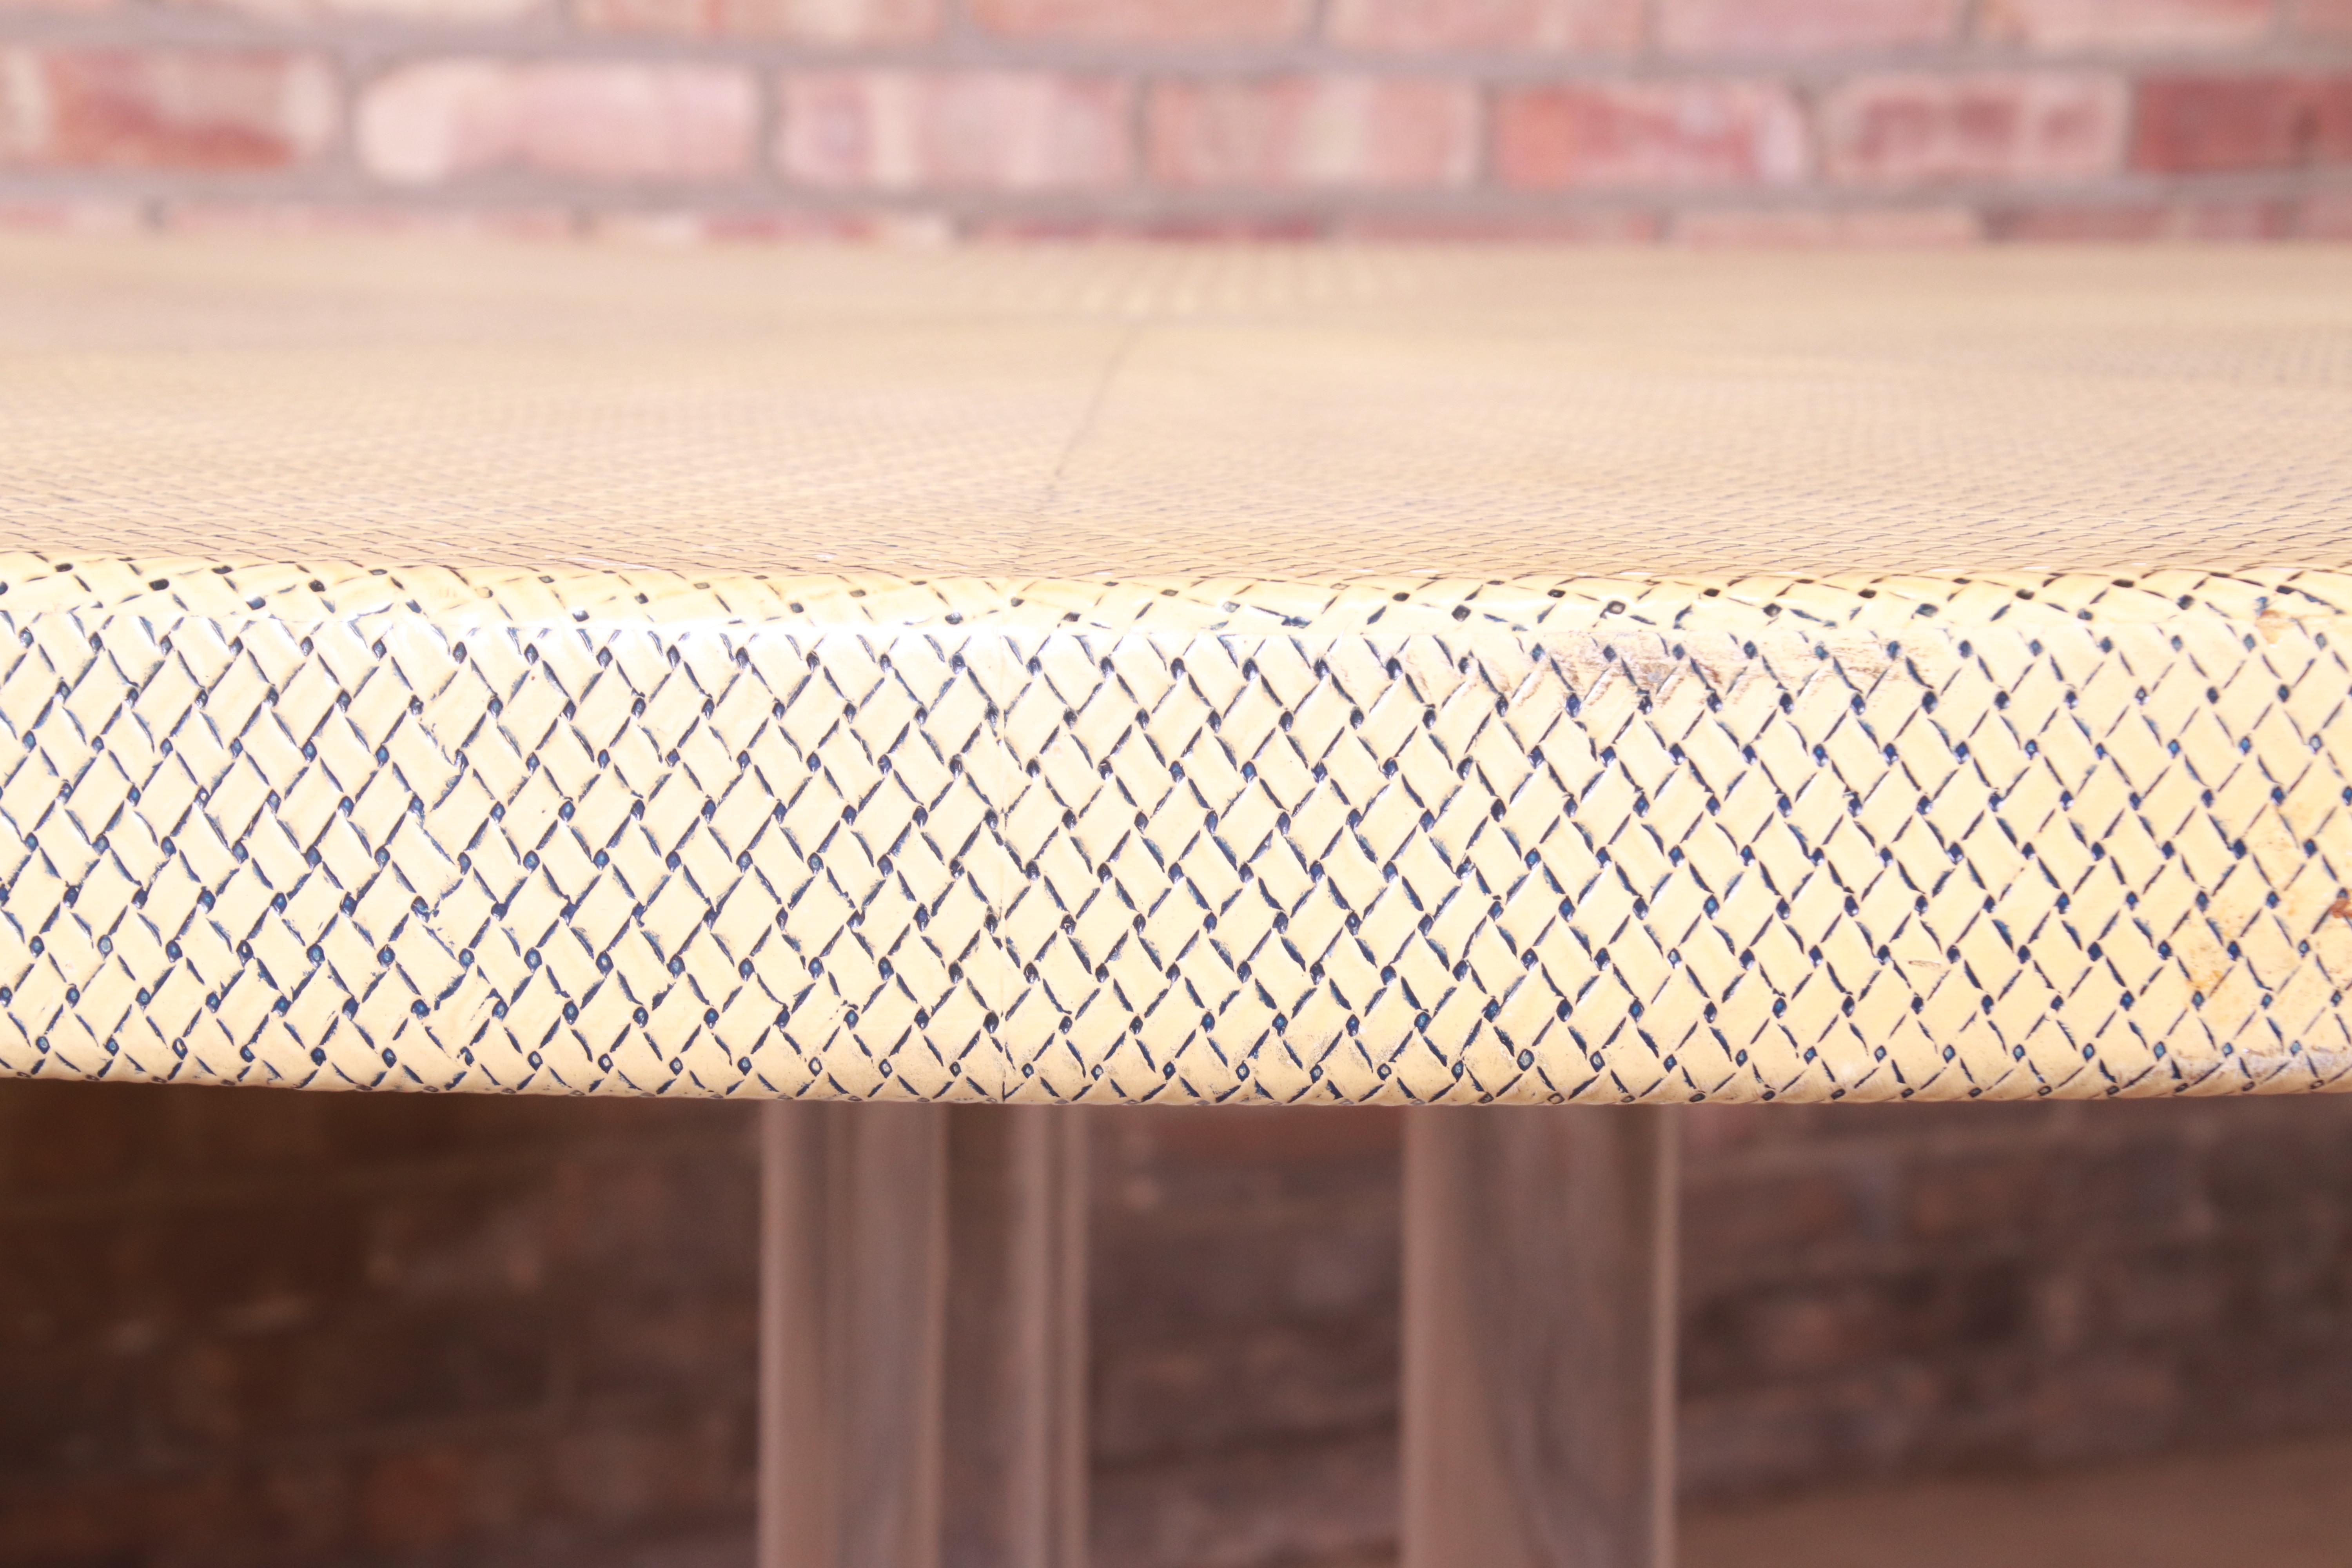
(1177, 676)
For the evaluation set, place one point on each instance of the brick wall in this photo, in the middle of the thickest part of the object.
(1894, 1290)
(279, 1330)
(1246, 1297)
(263, 1330)
(1706, 120)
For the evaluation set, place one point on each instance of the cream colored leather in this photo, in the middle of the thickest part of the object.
(1177, 676)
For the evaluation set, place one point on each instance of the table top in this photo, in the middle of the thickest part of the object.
(1183, 675)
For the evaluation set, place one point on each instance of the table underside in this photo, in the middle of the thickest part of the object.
(1185, 680)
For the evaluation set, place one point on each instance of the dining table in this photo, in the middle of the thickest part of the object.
(925, 693)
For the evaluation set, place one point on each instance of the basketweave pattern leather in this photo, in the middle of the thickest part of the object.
(611, 809)
(1757, 839)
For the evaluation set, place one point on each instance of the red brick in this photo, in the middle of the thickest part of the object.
(913, 230)
(416, 1498)
(2235, 220)
(442, 119)
(1146, 21)
(806, 21)
(1187, 228)
(70, 216)
(2126, 24)
(2328, 216)
(2190, 126)
(1423, 26)
(1619, 226)
(2200, 220)
(1810, 229)
(2322, 18)
(428, 13)
(771, 226)
(972, 129)
(2102, 223)
(344, 220)
(1909, 129)
(1314, 130)
(1804, 26)
(1619, 134)
(163, 108)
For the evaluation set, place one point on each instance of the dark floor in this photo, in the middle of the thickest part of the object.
(2276, 1506)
